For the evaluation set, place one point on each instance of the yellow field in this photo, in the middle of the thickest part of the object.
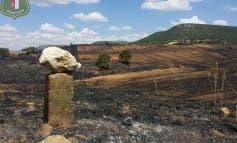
(193, 54)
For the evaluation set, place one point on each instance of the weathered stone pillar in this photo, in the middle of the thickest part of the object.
(59, 106)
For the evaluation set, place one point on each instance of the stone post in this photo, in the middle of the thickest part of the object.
(59, 107)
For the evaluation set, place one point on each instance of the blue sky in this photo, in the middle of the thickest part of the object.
(87, 21)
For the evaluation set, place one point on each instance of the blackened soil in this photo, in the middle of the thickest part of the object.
(101, 115)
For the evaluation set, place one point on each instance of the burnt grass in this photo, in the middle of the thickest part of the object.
(119, 115)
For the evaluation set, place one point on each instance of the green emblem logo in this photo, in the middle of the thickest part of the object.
(15, 8)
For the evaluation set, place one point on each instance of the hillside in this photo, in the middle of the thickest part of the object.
(110, 43)
(193, 33)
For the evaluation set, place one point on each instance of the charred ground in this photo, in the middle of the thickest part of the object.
(166, 95)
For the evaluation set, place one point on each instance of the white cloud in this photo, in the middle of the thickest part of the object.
(46, 34)
(8, 28)
(122, 28)
(194, 19)
(85, 36)
(69, 26)
(168, 5)
(50, 28)
(10, 37)
(93, 16)
(49, 34)
(220, 22)
(231, 8)
(46, 3)
(126, 37)
(162, 28)
(40, 37)
(195, 0)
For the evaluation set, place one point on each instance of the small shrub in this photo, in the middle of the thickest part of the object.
(103, 61)
(30, 50)
(125, 57)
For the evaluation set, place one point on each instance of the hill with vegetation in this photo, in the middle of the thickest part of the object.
(110, 43)
(191, 34)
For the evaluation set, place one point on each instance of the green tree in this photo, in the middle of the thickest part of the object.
(125, 57)
(103, 61)
(30, 50)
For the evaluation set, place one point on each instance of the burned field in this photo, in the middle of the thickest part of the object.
(147, 102)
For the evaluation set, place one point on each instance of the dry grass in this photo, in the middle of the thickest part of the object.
(192, 56)
(158, 75)
(92, 49)
(199, 54)
(228, 98)
(45, 130)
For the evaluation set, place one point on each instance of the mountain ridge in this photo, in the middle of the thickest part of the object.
(191, 34)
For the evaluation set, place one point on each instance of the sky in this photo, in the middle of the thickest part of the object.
(61, 22)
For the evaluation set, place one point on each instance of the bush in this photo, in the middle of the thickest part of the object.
(125, 57)
(30, 50)
(4, 53)
(103, 61)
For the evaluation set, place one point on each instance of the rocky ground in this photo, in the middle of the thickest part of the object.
(105, 115)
